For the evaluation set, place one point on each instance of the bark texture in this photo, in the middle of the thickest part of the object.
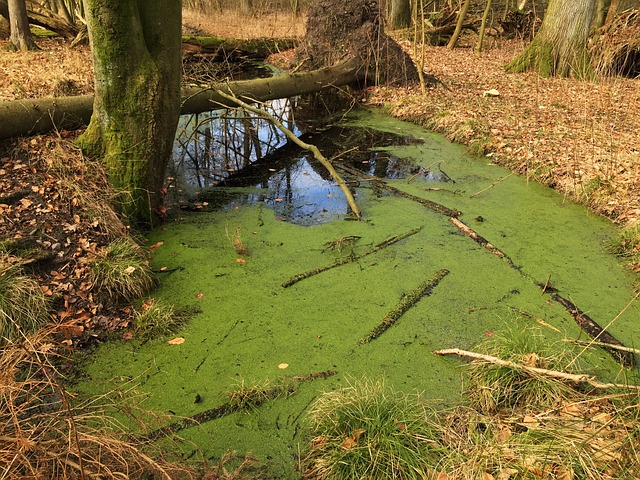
(137, 63)
(560, 47)
(20, 37)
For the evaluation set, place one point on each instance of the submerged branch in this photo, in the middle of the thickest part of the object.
(307, 146)
(352, 258)
(408, 301)
(248, 398)
(571, 377)
(436, 207)
(596, 332)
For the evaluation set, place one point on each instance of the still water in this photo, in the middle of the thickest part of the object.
(291, 219)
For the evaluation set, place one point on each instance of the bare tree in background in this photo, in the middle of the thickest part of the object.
(20, 38)
(400, 16)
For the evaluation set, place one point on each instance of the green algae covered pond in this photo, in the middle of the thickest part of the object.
(251, 330)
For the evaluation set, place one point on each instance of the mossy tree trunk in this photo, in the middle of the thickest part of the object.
(560, 46)
(136, 49)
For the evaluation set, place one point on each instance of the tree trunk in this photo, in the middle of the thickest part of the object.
(136, 50)
(612, 12)
(246, 7)
(602, 6)
(461, 17)
(400, 16)
(41, 115)
(560, 47)
(48, 21)
(483, 26)
(20, 38)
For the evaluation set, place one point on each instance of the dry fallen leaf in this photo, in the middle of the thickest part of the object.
(155, 246)
(176, 341)
(129, 270)
(241, 260)
(282, 366)
(348, 443)
(200, 295)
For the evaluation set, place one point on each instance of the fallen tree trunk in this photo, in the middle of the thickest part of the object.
(41, 115)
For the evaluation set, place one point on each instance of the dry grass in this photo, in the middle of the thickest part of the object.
(23, 306)
(231, 24)
(44, 435)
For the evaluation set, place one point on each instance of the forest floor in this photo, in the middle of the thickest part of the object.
(579, 137)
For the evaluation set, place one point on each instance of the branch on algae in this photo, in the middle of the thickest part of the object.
(352, 258)
(408, 301)
(241, 399)
(535, 371)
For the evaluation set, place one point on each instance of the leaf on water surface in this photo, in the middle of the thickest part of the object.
(176, 341)
(155, 246)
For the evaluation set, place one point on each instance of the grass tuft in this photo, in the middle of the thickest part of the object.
(368, 431)
(156, 318)
(23, 306)
(121, 271)
(494, 387)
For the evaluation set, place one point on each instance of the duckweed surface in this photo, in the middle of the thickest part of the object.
(250, 326)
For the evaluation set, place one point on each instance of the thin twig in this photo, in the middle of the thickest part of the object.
(602, 344)
(492, 185)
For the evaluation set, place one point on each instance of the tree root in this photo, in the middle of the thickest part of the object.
(408, 301)
(352, 258)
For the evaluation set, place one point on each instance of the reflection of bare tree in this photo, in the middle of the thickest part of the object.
(209, 147)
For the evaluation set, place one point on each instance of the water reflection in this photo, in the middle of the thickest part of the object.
(229, 158)
(212, 145)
